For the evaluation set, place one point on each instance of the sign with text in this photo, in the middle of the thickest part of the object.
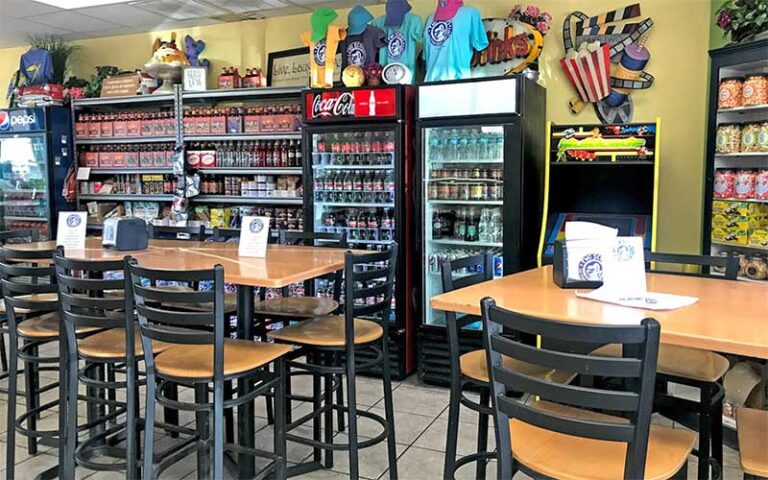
(120, 86)
(195, 79)
(290, 68)
(512, 46)
(71, 231)
(357, 103)
(254, 233)
(22, 120)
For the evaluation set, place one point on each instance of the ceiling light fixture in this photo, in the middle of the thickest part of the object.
(72, 4)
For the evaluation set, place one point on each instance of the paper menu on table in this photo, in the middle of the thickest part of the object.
(70, 233)
(254, 233)
(646, 300)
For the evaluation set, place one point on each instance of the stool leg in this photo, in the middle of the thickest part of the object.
(717, 431)
(287, 388)
(71, 407)
(389, 410)
(328, 394)
(31, 400)
(229, 414)
(705, 425)
(352, 406)
(317, 404)
(111, 392)
(482, 432)
(451, 439)
(149, 426)
(3, 352)
(131, 425)
(10, 454)
(279, 437)
(171, 416)
(203, 429)
(339, 392)
(218, 427)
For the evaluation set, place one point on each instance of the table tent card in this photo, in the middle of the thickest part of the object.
(587, 244)
(624, 280)
(71, 230)
(254, 234)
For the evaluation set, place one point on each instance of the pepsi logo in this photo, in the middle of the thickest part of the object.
(22, 119)
(5, 121)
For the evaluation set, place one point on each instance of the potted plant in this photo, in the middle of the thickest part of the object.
(61, 52)
(745, 20)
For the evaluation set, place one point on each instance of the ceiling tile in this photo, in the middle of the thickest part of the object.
(124, 15)
(72, 21)
(180, 9)
(25, 8)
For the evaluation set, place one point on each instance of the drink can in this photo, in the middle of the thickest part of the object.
(498, 265)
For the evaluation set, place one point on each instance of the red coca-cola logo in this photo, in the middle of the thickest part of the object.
(342, 105)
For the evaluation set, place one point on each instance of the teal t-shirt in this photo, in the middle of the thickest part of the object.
(401, 41)
(449, 44)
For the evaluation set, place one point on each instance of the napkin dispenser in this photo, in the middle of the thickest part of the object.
(125, 233)
(560, 270)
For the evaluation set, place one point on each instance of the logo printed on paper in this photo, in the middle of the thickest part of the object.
(73, 221)
(356, 53)
(341, 106)
(624, 252)
(591, 267)
(5, 121)
(396, 45)
(256, 225)
(439, 32)
(319, 53)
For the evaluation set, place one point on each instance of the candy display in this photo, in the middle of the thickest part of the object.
(762, 137)
(728, 139)
(755, 90)
(729, 93)
(724, 186)
(749, 135)
(761, 184)
(744, 184)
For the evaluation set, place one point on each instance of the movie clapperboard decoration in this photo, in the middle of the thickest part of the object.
(601, 40)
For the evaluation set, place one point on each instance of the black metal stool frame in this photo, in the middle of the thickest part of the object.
(179, 327)
(459, 382)
(328, 365)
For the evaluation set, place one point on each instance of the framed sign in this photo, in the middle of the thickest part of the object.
(512, 46)
(290, 68)
(195, 79)
(120, 86)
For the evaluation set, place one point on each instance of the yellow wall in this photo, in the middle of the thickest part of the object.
(678, 43)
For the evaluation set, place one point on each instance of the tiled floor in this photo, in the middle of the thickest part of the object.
(420, 420)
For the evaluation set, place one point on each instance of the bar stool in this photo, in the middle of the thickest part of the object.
(201, 356)
(11, 236)
(470, 370)
(32, 306)
(92, 295)
(331, 345)
(752, 430)
(553, 431)
(693, 367)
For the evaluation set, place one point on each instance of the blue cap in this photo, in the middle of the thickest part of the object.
(358, 18)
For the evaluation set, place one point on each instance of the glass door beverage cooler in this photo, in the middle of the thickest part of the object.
(358, 165)
(35, 154)
(479, 180)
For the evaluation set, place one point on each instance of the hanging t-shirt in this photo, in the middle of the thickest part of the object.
(322, 56)
(36, 66)
(449, 44)
(401, 41)
(362, 49)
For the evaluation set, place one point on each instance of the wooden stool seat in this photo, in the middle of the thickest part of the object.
(475, 366)
(752, 429)
(35, 297)
(303, 307)
(196, 361)
(328, 332)
(110, 344)
(46, 326)
(683, 362)
(564, 456)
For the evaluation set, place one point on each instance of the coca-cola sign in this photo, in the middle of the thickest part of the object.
(342, 105)
(359, 103)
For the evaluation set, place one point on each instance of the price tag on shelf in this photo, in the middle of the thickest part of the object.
(83, 173)
(254, 234)
(71, 231)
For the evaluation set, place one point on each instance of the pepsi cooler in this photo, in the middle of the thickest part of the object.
(35, 156)
(358, 173)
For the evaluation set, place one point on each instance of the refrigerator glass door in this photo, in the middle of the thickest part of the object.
(463, 179)
(24, 184)
(354, 188)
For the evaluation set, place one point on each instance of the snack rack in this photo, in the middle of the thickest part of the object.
(735, 220)
(607, 174)
(216, 123)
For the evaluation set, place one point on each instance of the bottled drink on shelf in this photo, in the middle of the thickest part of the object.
(360, 224)
(245, 154)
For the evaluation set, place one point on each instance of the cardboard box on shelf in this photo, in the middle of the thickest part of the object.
(730, 235)
(758, 238)
(726, 207)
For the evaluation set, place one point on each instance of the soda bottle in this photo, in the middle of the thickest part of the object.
(460, 227)
(437, 226)
(435, 155)
(462, 151)
(483, 226)
(292, 155)
(471, 227)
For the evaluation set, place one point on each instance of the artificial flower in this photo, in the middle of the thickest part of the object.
(532, 11)
(542, 27)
